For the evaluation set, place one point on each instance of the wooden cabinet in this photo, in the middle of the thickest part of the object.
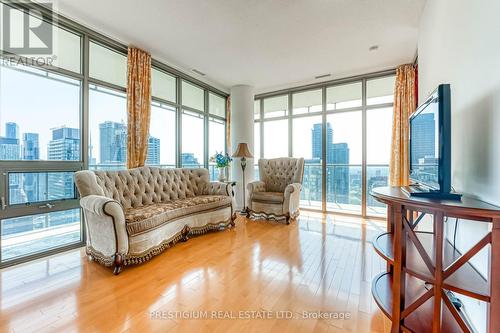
(423, 267)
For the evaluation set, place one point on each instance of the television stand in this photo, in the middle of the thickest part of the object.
(425, 272)
(419, 191)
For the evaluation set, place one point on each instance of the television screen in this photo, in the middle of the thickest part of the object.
(424, 145)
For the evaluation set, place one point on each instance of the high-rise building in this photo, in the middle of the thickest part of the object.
(340, 181)
(11, 130)
(153, 151)
(9, 144)
(34, 190)
(9, 149)
(31, 147)
(188, 159)
(317, 140)
(112, 143)
(64, 146)
(337, 158)
(424, 128)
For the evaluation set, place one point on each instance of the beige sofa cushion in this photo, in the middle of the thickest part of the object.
(275, 197)
(144, 218)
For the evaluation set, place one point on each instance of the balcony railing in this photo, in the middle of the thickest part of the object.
(343, 187)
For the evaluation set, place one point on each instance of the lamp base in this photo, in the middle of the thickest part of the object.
(244, 211)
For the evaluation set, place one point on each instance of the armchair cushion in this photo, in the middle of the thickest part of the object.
(271, 197)
(145, 218)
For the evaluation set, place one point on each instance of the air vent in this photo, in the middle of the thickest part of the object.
(322, 76)
(198, 72)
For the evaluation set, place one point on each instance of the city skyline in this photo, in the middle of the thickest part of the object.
(65, 144)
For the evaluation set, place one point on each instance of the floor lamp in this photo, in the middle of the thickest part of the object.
(243, 153)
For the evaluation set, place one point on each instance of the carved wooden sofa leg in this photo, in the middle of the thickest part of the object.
(185, 233)
(287, 219)
(117, 264)
(233, 218)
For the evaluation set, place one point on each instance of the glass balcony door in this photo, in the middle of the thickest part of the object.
(342, 130)
(344, 162)
(308, 143)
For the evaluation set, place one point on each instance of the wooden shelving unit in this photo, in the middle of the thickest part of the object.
(422, 267)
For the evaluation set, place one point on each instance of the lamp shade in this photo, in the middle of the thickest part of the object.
(242, 151)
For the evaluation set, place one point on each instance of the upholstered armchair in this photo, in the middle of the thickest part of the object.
(277, 194)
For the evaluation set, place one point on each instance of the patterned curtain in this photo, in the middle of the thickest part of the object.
(138, 106)
(228, 126)
(405, 102)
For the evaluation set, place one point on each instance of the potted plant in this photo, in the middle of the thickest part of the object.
(222, 162)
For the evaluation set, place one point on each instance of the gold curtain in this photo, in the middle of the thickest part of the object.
(138, 106)
(228, 126)
(405, 101)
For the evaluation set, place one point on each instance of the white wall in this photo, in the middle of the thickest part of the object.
(459, 44)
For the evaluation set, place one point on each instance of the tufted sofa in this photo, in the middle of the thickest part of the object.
(277, 194)
(132, 215)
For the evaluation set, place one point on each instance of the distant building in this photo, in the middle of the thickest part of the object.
(339, 180)
(64, 146)
(317, 140)
(311, 183)
(34, 189)
(153, 151)
(337, 160)
(188, 159)
(11, 131)
(31, 147)
(112, 143)
(10, 148)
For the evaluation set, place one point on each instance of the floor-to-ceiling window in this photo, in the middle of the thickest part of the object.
(342, 129)
(216, 130)
(379, 100)
(307, 123)
(40, 148)
(67, 111)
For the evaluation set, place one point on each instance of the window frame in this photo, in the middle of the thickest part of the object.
(364, 108)
(86, 36)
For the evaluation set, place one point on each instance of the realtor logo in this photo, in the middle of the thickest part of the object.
(26, 31)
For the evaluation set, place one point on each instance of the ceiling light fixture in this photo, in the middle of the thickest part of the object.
(198, 72)
(322, 76)
(373, 48)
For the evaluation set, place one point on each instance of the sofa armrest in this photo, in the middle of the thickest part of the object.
(105, 224)
(292, 198)
(256, 186)
(218, 188)
(100, 205)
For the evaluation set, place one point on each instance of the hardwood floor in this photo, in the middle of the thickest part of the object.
(318, 263)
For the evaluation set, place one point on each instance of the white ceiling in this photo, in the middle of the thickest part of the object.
(270, 44)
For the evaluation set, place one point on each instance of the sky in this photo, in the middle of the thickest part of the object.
(347, 127)
(37, 105)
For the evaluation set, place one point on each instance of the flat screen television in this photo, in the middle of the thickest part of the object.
(430, 147)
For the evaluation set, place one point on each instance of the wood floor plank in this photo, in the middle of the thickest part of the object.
(225, 281)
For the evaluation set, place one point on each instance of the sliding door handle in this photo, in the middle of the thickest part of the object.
(47, 205)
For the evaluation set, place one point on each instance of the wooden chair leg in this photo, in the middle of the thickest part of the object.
(117, 264)
(185, 233)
